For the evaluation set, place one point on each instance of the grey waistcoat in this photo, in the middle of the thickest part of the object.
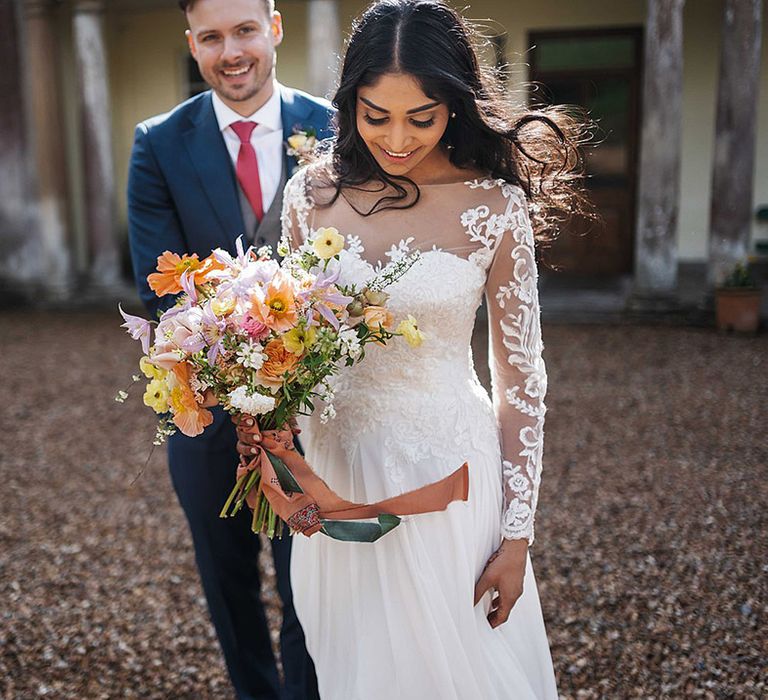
(268, 231)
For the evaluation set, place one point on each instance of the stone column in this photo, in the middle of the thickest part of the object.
(323, 42)
(733, 166)
(659, 177)
(19, 262)
(98, 164)
(47, 137)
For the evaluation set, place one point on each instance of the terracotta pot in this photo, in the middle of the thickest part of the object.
(738, 309)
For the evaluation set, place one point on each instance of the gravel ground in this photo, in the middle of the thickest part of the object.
(650, 553)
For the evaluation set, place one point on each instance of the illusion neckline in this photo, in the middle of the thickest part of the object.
(455, 182)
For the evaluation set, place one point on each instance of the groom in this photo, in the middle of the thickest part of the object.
(212, 169)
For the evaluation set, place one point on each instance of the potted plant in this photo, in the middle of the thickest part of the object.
(737, 302)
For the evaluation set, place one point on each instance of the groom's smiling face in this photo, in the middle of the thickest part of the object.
(234, 42)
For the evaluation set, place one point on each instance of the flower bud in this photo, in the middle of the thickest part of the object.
(375, 298)
(356, 308)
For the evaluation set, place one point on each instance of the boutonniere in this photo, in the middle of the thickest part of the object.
(301, 144)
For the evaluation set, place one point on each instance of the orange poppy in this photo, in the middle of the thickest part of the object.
(188, 415)
(171, 266)
(278, 308)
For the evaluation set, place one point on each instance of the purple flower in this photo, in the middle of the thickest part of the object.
(322, 293)
(138, 328)
(187, 282)
(241, 258)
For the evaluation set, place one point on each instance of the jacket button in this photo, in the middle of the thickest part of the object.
(261, 240)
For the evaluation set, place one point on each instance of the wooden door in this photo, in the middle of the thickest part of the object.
(600, 71)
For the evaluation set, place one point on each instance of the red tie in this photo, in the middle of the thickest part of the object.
(248, 167)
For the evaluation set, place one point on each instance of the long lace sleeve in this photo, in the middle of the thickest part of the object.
(294, 214)
(518, 374)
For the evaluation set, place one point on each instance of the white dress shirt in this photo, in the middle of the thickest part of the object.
(266, 139)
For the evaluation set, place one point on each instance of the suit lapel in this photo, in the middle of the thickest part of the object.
(208, 152)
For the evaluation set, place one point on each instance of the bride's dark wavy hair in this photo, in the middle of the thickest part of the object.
(535, 149)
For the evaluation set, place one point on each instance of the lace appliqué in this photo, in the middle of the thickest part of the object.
(296, 206)
(484, 227)
(521, 337)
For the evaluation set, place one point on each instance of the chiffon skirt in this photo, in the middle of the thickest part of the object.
(395, 619)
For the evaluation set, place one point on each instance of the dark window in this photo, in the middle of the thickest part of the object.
(598, 70)
(194, 81)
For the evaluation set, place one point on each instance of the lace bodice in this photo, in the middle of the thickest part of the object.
(475, 238)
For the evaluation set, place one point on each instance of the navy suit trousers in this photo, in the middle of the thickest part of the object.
(203, 473)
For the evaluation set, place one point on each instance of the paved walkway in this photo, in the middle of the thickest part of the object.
(650, 554)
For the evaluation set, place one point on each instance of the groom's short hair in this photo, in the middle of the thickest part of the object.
(187, 5)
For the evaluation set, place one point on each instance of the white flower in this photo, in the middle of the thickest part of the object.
(301, 144)
(283, 247)
(253, 404)
(297, 140)
(329, 412)
(349, 343)
(326, 392)
(251, 355)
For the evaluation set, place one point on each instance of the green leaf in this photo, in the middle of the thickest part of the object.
(359, 530)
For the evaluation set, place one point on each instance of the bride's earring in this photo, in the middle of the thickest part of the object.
(453, 115)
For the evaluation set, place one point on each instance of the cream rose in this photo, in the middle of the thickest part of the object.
(378, 316)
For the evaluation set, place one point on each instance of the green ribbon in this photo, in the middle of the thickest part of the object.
(359, 530)
(287, 481)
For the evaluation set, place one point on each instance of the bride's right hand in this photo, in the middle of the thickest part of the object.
(248, 435)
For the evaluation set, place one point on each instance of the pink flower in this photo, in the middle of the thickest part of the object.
(255, 328)
(176, 336)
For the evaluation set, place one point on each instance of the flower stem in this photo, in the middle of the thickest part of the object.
(232, 495)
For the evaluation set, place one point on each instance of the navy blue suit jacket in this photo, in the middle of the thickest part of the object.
(182, 189)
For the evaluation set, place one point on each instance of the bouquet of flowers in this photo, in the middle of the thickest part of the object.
(263, 338)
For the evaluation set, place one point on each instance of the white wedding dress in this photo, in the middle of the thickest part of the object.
(395, 619)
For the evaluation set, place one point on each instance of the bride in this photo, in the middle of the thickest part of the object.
(427, 158)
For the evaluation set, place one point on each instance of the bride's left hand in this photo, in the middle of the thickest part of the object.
(504, 572)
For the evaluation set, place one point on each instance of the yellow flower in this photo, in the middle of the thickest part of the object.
(297, 340)
(328, 242)
(297, 141)
(149, 370)
(157, 395)
(222, 307)
(409, 329)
